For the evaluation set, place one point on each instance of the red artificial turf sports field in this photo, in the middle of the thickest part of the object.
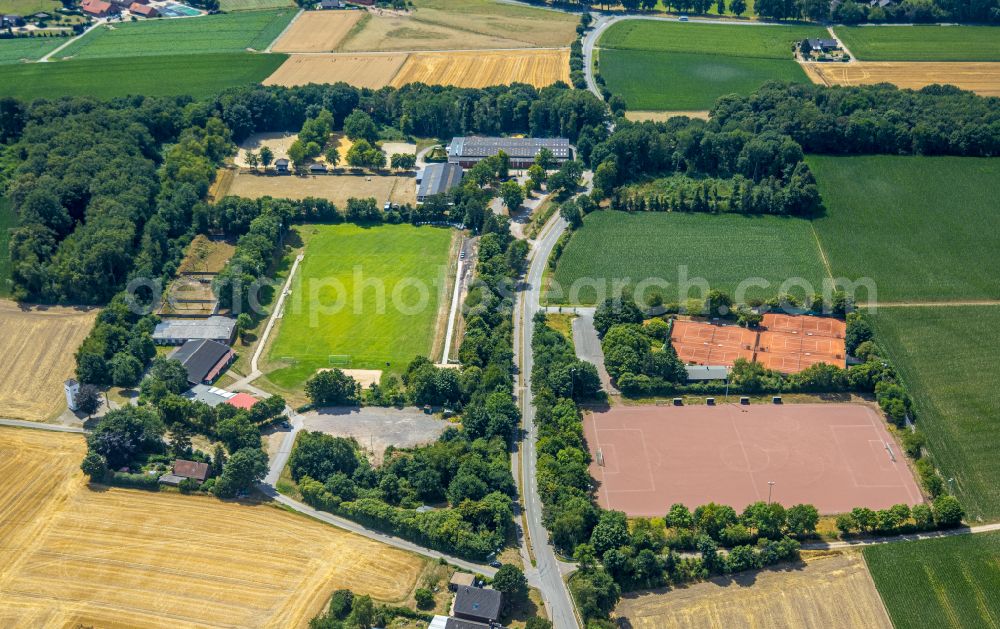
(833, 456)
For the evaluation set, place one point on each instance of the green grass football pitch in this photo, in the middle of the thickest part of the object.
(923, 228)
(676, 66)
(922, 43)
(234, 32)
(948, 583)
(723, 249)
(193, 75)
(947, 357)
(335, 316)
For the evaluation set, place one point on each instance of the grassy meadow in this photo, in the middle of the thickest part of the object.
(194, 75)
(922, 227)
(253, 5)
(723, 249)
(730, 40)
(27, 48)
(922, 43)
(234, 32)
(947, 357)
(28, 7)
(7, 221)
(334, 308)
(677, 66)
(687, 81)
(952, 582)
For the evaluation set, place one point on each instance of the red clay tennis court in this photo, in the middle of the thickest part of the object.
(834, 456)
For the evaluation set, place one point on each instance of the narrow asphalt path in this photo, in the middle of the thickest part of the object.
(47, 57)
(20, 423)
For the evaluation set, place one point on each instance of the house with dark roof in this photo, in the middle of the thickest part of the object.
(469, 151)
(11, 21)
(184, 469)
(437, 179)
(317, 169)
(477, 604)
(330, 4)
(204, 360)
(281, 165)
(819, 45)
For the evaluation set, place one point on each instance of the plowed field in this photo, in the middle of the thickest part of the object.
(125, 558)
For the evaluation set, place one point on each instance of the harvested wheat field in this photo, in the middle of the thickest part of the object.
(663, 116)
(127, 558)
(485, 68)
(982, 78)
(317, 31)
(372, 70)
(335, 188)
(829, 590)
(38, 344)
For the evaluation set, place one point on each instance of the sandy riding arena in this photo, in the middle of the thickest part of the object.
(835, 456)
(982, 78)
(828, 591)
(335, 188)
(482, 69)
(37, 345)
(371, 70)
(317, 31)
(74, 556)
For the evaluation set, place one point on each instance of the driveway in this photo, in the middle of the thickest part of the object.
(377, 428)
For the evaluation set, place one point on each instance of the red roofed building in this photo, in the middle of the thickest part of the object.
(242, 400)
(142, 10)
(96, 8)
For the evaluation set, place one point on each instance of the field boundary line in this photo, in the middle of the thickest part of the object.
(946, 304)
(391, 53)
(284, 30)
(822, 252)
(871, 580)
(254, 372)
(46, 58)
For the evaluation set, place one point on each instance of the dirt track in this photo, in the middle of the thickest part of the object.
(828, 591)
(982, 78)
(37, 345)
(127, 558)
(318, 31)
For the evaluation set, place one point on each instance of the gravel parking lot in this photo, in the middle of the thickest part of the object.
(377, 428)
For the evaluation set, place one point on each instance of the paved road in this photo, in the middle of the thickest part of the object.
(460, 278)
(275, 315)
(46, 58)
(588, 346)
(550, 570)
(871, 541)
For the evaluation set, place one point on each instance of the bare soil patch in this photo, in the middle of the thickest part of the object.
(205, 255)
(318, 31)
(336, 188)
(485, 68)
(372, 70)
(826, 591)
(982, 78)
(278, 143)
(124, 558)
(377, 428)
(37, 346)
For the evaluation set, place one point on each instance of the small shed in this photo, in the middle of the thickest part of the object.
(317, 169)
(242, 400)
(281, 165)
(460, 580)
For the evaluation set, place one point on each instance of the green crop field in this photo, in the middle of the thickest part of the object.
(922, 227)
(679, 81)
(922, 43)
(731, 40)
(253, 5)
(28, 7)
(233, 32)
(677, 66)
(194, 75)
(340, 261)
(951, 582)
(723, 249)
(7, 221)
(32, 48)
(947, 357)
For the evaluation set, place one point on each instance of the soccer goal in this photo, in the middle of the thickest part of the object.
(600, 457)
(339, 360)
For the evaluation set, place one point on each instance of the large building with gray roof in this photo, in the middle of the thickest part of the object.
(470, 150)
(437, 179)
(180, 331)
